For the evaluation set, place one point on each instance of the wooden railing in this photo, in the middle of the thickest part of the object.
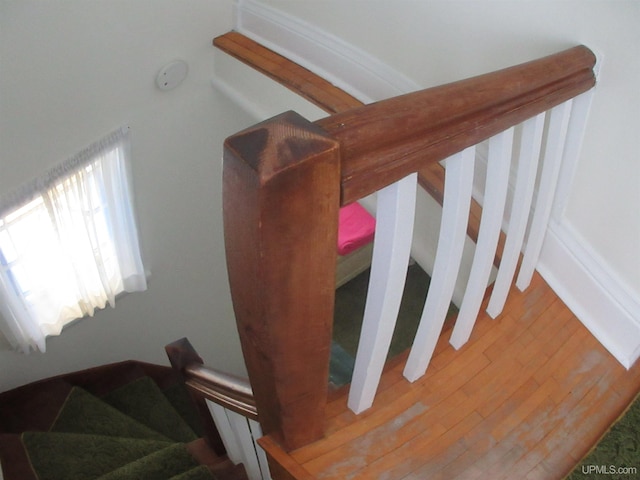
(229, 391)
(227, 409)
(284, 180)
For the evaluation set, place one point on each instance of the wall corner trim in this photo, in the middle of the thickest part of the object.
(346, 66)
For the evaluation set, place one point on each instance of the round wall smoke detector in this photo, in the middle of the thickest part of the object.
(172, 75)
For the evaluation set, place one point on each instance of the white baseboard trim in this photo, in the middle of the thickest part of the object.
(238, 99)
(593, 293)
(346, 66)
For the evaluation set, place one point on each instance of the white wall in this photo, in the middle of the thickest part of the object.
(438, 41)
(70, 72)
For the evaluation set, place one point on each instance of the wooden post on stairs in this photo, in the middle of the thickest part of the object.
(281, 200)
(181, 355)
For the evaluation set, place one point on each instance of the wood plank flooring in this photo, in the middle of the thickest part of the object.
(525, 398)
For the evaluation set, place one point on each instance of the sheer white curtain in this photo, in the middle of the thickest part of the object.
(68, 244)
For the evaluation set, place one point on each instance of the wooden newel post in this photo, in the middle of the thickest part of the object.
(281, 201)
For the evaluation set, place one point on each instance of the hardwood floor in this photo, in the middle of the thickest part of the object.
(527, 397)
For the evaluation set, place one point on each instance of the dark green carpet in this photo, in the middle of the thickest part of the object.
(85, 413)
(63, 456)
(134, 432)
(168, 462)
(617, 454)
(144, 401)
(180, 399)
(349, 310)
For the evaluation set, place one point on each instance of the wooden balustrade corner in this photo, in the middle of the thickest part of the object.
(284, 180)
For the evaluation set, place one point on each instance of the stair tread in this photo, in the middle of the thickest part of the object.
(229, 471)
(76, 426)
(204, 454)
(197, 473)
(143, 400)
(159, 465)
(62, 455)
(86, 413)
(179, 397)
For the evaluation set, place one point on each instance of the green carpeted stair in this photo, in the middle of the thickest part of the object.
(58, 456)
(134, 431)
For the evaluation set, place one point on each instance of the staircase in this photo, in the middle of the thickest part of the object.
(123, 421)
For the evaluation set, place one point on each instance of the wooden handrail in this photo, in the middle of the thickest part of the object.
(296, 78)
(228, 390)
(205, 383)
(332, 100)
(284, 180)
(383, 142)
(233, 393)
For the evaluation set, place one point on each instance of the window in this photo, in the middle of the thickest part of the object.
(68, 245)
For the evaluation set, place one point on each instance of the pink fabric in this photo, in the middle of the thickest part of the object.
(355, 229)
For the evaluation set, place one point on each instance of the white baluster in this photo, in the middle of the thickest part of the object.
(554, 150)
(391, 250)
(500, 147)
(530, 146)
(239, 436)
(231, 445)
(453, 231)
(580, 107)
(240, 426)
(256, 433)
